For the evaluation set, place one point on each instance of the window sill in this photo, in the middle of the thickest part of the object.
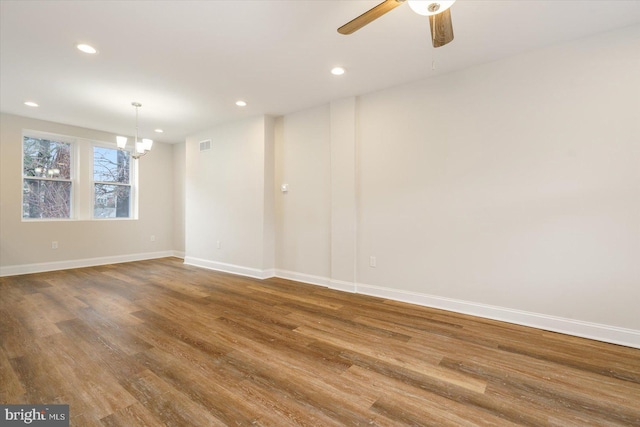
(75, 219)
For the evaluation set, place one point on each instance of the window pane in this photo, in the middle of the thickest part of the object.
(45, 158)
(46, 199)
(110, 165)
(111, 201)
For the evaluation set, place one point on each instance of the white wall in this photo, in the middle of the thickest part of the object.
(513, 184)
(225, 198)
(25, 246)
(510, 190)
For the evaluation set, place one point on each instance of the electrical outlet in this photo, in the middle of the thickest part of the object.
(153, 238)
(372, 262)
(218, 244)
(54, 245)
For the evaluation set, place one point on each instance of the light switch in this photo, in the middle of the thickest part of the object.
(284, 188)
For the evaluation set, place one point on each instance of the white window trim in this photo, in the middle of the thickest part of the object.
(133, 184)
(73, 178)
(82, 184)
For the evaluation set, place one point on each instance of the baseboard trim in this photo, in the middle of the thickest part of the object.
(301, 277)
(341, 285)
(266, 274)
(229, 268)
(15, 270)
(579, 328)
(338, 285)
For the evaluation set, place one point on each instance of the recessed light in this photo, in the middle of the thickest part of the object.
(159, 130)
(337, 71)
(87, 49)
(31, 104)
(241, 103)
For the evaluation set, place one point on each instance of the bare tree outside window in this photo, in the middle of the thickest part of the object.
(47, 186)
(112, 183)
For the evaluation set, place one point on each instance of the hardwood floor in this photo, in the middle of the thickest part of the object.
(159, 343)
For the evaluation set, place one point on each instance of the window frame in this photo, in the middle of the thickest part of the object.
(73, 173)
(82, 197)
(133, 184)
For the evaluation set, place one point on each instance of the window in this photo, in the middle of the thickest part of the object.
(47, 178)
(68, 178)
(111, 183)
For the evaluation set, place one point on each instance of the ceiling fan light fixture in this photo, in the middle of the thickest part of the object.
(430, 7)
(438, 11)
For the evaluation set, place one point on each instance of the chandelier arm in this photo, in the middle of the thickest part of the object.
(136, 140)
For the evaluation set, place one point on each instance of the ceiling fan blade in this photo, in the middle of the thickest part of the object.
(441, 28)
(370, 15)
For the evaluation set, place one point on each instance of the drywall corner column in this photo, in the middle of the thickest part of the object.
(343, 194)
(179, 171)
(303, 212)
(269, 238)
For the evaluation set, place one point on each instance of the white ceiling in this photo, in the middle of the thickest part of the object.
(188, 62)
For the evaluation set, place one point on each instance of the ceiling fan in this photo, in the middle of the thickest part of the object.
(438, 12)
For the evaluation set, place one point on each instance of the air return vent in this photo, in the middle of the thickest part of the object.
(205, 145)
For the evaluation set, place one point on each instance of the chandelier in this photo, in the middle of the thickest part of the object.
(140, 148)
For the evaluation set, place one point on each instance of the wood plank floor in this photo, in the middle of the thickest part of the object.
(157, 343)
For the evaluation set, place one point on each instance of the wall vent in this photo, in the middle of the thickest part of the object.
(205, 145)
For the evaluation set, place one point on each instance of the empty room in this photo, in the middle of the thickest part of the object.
(320, 213)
